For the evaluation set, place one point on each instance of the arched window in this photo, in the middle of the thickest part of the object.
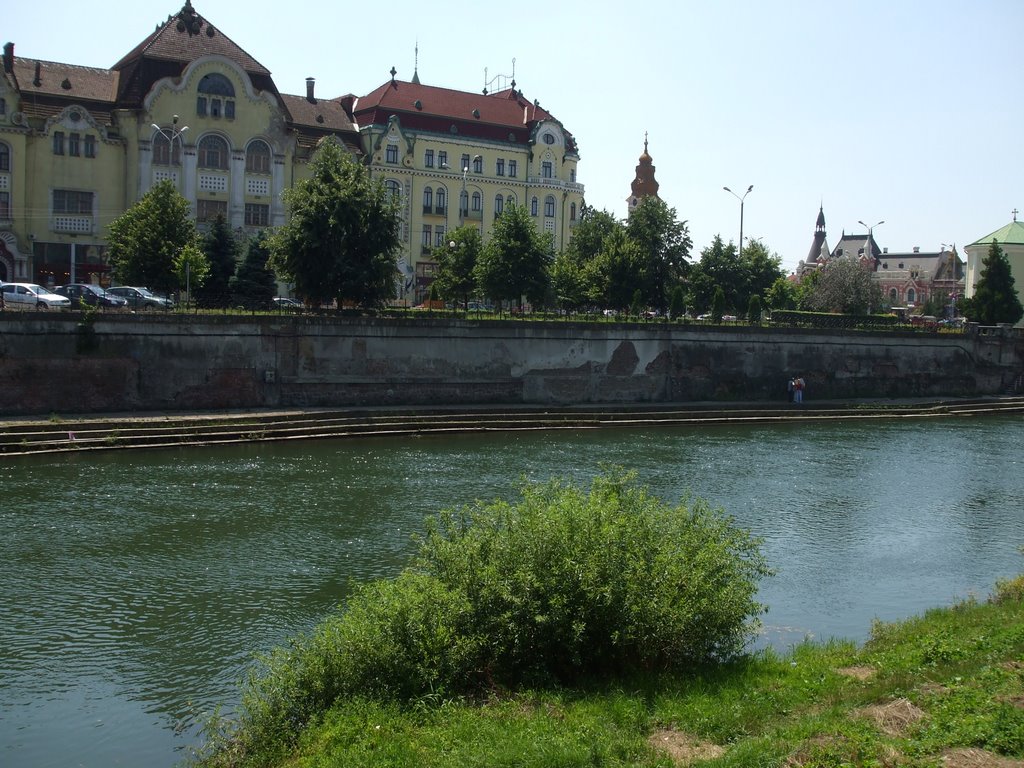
(893, 295)
(165, 151)
(257, 157)
(572, 211)
(428, 200)
(534, 209)
(213, 153)
(394, 189)
(510, 200)
(216, 97)
(477, 202)
(5, 157)
(499, 205)
(911, 295)
(442, 200)
(549, 206)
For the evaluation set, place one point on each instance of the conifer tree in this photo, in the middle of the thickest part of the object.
(995, 297)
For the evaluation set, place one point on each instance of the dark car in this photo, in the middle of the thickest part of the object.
(140, 298)
(93, 295)
(283, 302)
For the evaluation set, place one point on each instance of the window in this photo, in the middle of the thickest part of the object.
(892, 295)
(549, 138)
(510, 200)
(512, 168)
(477, 202)
(464, 202)
(213, 153)
(546, 169)
(478, 164)
(499, 167)
(442, 158)
(216, 93)
(391, 154)
(5, 157)
(208, 210)
(572, 211)
(428, 158)
(439, 237)
(394, 189)
(58, 142)
(427, 232)
(533, 207)
(162, 151)
(3, 106)
(5, 205)
(257, 215)
(74, 144)
(428, 200)
(572, 175)
(464, 165)
(499, 205)
(911, 296)
(442, 200)
(72, 201)
(257, 157)
(549, 206)
(90, 146)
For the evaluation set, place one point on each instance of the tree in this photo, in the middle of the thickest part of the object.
(677, 304)
(573, 273)
(254, 285)
(515, 261)
(781, 294)
(342, 235)
(615, 275)
(718, 268)
(845, 285)
(456, 261)
(664, 244)
(754, 309)
(718, 305)
(995, 297)
(763, 268)
(191, 266)
(221, 250)
(145, 240)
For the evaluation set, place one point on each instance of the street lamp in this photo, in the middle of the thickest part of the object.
(953, 294)
(739, 251)
(871, 237)
(171, 134)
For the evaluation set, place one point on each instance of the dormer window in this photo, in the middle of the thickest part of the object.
(216, 97)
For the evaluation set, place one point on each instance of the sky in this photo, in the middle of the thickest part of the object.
(899, 111)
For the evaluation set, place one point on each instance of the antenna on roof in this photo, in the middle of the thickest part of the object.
(416, 64)
(501, 80)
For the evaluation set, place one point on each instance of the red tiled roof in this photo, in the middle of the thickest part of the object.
(65, 81)
(428, 107)
(322, 114)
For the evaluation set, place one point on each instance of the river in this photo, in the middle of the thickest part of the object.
(135, 587)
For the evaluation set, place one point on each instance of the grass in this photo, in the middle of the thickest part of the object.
(945, 688)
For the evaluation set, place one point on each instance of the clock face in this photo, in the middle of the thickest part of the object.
(549, 139)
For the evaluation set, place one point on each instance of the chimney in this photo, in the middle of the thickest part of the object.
(39, 75)
(885, 250)
(9, 57)
(917, 249)
(310, 82)
(348, 103)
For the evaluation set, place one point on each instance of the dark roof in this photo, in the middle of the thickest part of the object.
(315, 119)
(503, 116)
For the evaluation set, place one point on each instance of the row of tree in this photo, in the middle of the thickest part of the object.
(342, 237)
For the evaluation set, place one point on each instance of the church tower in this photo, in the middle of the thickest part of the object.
(644, 185)
(819, 252)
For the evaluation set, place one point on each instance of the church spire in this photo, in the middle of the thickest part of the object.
(819, 248)
(416, 65)
(644, 184)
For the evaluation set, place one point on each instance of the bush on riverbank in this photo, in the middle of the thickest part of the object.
(565, 586)
(945, 688)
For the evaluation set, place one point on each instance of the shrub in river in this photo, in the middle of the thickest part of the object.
(564, 585)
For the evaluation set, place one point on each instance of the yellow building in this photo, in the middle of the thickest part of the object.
(455, 158)
(80, 145)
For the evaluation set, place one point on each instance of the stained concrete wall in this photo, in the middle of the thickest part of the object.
(52, 363)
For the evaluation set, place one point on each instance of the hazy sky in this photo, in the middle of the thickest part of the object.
(906, 111)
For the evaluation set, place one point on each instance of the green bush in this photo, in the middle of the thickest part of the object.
(563, 585)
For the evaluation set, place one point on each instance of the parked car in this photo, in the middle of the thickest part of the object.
(30, 295)
(283, 302)
(92, 295)
(141, 298)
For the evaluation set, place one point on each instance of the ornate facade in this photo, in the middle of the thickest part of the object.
(79, 146)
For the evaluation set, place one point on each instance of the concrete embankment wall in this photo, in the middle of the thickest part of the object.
(53, 363)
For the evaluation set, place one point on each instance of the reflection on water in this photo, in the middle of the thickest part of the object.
(134, 588)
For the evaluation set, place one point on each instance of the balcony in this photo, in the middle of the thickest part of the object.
(72, 225)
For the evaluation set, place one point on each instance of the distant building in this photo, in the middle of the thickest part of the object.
(905, 279)
(644, 184)
(1011, 240)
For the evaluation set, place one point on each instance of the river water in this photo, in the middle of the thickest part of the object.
(135, 587)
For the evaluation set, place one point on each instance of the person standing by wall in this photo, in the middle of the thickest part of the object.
(798, 389)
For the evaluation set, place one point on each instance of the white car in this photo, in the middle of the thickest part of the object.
(32, 296)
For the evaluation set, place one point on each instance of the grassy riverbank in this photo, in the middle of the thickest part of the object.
(943, 689)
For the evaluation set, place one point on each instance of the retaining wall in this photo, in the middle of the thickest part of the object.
(53, 363)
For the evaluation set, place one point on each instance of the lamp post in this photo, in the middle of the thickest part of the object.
(172, 134)
(739, 249)
(867, 247)
(952, 273)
